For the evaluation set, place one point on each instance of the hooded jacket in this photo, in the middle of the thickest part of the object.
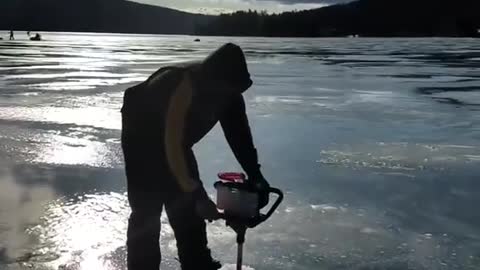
(176, 107)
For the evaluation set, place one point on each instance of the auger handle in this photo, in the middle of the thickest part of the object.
(275, 205)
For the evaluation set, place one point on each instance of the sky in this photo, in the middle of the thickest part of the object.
(218, 6)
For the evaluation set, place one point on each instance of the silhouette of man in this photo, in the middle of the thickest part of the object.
(162, 118)
(11, 35)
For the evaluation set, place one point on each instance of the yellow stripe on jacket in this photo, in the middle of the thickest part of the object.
(175, 129)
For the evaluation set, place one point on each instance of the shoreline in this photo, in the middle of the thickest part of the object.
(73, 33)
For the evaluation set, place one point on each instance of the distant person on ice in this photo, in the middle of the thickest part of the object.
(162, 118)
(11, 35)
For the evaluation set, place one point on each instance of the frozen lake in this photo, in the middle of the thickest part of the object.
(376, 143)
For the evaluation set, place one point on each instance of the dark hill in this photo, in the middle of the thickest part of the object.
(117, 16)
(384, 18)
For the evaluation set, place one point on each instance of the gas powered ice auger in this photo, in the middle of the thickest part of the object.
(240, 203)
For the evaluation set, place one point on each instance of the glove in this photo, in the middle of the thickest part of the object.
(261, 186)
(204, 206)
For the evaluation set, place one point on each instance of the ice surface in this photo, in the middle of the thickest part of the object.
(375, 142)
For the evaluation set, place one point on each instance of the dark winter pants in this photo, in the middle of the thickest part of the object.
(150, 188)
(144, 232)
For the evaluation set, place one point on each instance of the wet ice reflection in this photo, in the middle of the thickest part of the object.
(81, 231)
(100, 117)
(75, 151)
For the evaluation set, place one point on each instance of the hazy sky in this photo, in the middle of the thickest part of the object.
(216, 6)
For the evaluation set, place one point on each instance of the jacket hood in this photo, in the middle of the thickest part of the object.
(228, 64)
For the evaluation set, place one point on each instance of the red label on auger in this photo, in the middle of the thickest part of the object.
(232, 177)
